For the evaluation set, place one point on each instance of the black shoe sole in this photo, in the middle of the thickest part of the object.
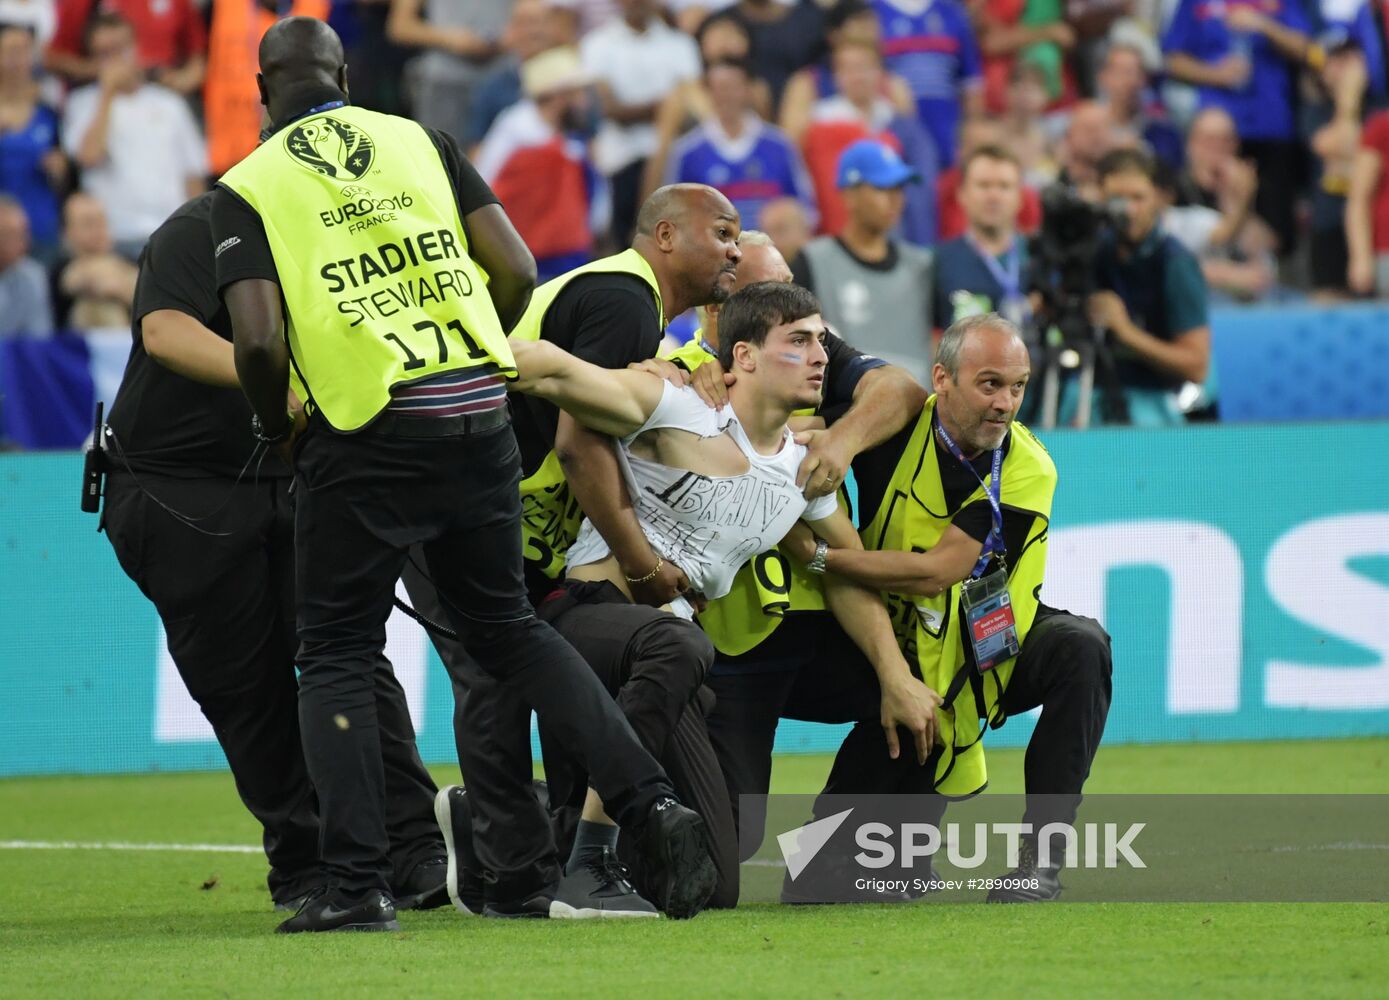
(429, 900)
(377, 925)
(679, 870)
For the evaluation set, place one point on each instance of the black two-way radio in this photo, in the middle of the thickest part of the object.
(94, 467)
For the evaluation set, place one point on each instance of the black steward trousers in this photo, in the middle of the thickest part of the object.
(810, 670)
(365, 499)
(227, 604)
(652, 663)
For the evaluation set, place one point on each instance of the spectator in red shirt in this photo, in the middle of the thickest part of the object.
(169, 34)
(1367, 211)
(976, 134)
(1008, 29)
(858, 110)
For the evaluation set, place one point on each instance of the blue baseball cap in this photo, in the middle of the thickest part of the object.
(870, 162)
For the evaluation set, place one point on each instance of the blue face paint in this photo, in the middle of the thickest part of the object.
(795, 359)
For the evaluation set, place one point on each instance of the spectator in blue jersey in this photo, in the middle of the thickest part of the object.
(737, 152)
(848, 21)
(1244, 56)
(1353, 23)
(32, 165)
(1124, 87)
(931, 44)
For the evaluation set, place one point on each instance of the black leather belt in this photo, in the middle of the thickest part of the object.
(399, 425)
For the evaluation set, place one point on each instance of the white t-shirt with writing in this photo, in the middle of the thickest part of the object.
(708, 525)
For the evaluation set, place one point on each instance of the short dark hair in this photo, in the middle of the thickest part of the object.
(1128, 161)
(989, 151)
(100, 21)
(749, 314)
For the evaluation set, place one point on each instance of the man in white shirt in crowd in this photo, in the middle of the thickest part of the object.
(636, 60)
(139, 147)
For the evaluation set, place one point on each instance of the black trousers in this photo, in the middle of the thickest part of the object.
(652, 664)
(813, 672)
(226, 597)
(365, 499)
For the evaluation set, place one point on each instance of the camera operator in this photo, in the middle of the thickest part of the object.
(1149, 298)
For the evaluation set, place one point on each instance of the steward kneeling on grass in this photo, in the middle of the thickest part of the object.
(954, 514)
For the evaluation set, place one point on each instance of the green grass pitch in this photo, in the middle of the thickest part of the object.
(157, 923)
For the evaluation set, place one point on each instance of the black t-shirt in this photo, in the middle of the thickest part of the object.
(609, 320)
(873, 471)
(243, 250)
(165, 423)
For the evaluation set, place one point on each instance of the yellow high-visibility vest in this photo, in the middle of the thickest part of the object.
(912, 517)
(372, 260)
(550, 516)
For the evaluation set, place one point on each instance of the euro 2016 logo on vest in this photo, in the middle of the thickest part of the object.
(332, 147)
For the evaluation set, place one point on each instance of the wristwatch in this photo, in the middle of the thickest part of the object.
(258, 429)
(822, 552)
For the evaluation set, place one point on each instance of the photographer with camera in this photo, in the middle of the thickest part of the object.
(1124, 303)
(1150, 298)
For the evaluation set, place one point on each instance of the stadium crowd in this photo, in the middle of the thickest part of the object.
(1264, 123)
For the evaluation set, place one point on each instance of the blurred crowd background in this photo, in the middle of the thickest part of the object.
(1266, 119)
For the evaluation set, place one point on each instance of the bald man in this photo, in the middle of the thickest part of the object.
(357, 243)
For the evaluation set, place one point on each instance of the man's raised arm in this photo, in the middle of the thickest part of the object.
(610, 401)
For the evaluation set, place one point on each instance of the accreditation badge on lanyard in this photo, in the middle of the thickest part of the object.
(990, 628)
(1012, 305)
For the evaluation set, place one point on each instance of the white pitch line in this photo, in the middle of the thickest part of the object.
(118, 845)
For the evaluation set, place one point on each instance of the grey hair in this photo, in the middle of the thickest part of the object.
(953, 340)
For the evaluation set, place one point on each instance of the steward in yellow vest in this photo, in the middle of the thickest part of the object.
(955, 519)
(372, 257)
(354, 245)
(612, 313)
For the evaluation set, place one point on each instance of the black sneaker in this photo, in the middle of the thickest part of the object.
(600, 887)
(677, 873)
(1028, 883)
(463, 879)
(327, 912)
(540, 906)
(295, 903)
(426, 888)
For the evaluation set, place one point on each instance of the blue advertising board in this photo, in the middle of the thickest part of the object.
(1243, 572)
